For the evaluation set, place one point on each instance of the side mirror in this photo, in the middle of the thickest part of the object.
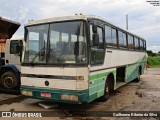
(76, 48)
(94, 28)
(95, 37)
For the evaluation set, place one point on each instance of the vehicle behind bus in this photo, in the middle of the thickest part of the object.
(11, 51)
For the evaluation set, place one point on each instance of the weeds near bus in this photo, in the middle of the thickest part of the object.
(154, 61)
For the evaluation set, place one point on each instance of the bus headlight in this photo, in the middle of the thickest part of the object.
(26, 93)
(29, 93)
(69, 97)
(80, 77)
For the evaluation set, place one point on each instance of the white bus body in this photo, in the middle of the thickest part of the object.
(70, 59)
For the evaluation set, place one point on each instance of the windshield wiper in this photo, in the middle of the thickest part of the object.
(53, 53)
(37, 55)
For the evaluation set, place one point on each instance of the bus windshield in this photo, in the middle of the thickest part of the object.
(56, 43)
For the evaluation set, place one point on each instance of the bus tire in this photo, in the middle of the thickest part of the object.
(138, 77)
(106, 91)
(9, 80)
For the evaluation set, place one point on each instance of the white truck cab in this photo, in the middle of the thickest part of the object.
(11, 51)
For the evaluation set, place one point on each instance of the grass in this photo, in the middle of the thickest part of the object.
(154, 62)
(154, 66)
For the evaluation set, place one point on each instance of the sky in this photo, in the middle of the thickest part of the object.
(143, 17)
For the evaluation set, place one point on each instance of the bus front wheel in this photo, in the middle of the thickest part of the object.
(9, 80)
(138, 77)
(106, 92)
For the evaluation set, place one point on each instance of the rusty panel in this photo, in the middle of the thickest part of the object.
(2, 45)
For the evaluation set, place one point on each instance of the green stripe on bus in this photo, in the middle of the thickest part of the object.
(101, 75)
(96, 89)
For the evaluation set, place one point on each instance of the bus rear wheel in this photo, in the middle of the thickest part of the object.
(106, 92)
(9, 80)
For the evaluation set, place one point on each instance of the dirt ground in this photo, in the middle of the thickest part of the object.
(142, 96)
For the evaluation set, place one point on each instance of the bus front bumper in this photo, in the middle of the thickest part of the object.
(56, 95)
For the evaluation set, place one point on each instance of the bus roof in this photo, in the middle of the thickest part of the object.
(75, 17)
(56, 19)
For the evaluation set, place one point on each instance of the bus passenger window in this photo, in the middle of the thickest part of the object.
(91, 32)
(144, 45)
(130, 42)
(98, 54)
(114, 37)
(99, 30)
(122, 39)
(141, 45)
(125, 39)
(108, 36)
(136, 42)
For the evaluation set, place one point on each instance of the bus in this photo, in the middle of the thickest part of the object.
(79, 58)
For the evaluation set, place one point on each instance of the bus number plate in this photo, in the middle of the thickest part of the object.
(48, 95)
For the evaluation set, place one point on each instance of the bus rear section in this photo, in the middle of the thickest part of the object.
(58, 84)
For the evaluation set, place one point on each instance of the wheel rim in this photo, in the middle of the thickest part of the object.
(8, 82)
(107, 90)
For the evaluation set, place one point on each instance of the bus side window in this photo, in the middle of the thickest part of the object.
(144, 45)
(130, 42)
(136, 42)
(91, 33)
(122, 39)
(125, 39)
(100, 33)
(114, 37)
(141, 45)
(108, 36)
(98, 54)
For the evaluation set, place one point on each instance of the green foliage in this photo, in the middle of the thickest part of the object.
(154, 60)
(149, 52)
(153, 54)
(154, 66)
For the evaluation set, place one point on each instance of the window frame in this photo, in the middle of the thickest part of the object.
(48, 44)
(144, 45)
(103, 44)
(136, 48)
(132, 42)
(107, 24)
(11, 45)
(112, 45)
(123, 46)
(107, 44)
(112, 28)
(95, 50)
(141, 47)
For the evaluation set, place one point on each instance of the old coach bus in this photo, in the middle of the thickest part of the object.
(79, 58)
